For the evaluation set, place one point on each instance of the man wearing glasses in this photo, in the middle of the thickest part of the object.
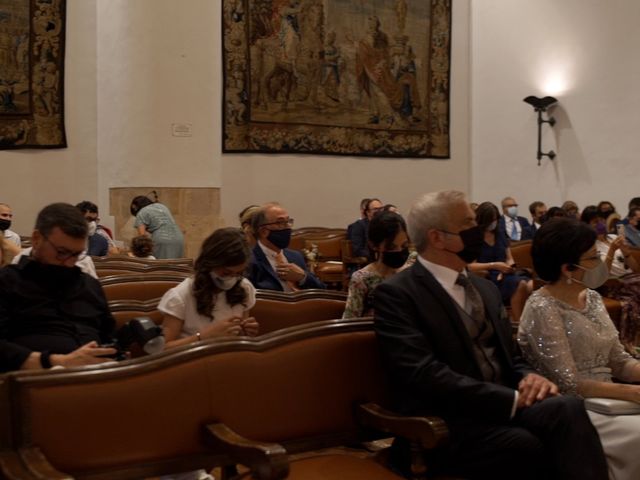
(51, 313)
(273, 266)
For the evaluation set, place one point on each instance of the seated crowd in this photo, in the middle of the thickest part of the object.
(436, 286)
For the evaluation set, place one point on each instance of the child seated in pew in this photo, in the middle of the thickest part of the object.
(216, 300)
(142, 247)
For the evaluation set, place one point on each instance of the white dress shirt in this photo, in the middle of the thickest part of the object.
(272, 258)
(508, 226)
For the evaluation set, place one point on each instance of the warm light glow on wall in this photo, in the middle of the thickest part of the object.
(554, 83)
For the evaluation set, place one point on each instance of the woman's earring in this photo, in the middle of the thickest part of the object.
(569, 280)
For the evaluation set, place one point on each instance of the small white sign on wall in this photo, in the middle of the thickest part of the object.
(182, 129)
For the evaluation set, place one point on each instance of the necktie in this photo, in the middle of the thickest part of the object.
(282, 260)
(514, 230)
(474, 300)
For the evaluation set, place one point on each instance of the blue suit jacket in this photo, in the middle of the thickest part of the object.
(358, 234)
(262, 275)
(526, 234)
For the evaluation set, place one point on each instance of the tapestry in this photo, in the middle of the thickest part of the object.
(338, 77)
(32, 74)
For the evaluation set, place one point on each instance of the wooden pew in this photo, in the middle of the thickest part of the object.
(145, 286)
(277, 310)
(218, 403)
(300, 235)
(106, 269)
(274, 310)
(142, 261)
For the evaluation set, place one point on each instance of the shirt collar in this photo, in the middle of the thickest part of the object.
(444, 275)
(267, 251)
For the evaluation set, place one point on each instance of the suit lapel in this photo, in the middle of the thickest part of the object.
(264, 262)
(425, 278)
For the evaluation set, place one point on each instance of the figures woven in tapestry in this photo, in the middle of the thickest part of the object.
(340, 77)
(32, 74)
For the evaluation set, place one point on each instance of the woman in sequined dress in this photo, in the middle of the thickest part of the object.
(566, 333)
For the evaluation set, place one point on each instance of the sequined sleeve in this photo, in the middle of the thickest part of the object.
(542, 336)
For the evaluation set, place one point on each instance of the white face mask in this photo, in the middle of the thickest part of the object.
(594, 277)
(92, 228)
(225, 283)
(492, 226)
(512, 212)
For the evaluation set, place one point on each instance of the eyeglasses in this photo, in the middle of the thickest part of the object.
(280, 223)
(64, 254)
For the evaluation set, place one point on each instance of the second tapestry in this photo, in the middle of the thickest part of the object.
(350, 77)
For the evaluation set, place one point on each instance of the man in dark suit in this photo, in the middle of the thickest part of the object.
(273, 266)
(538, 211)
(357, 231)
(447, 343)
(516, 228)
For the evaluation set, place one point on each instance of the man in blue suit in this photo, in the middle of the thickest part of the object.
(516, 228)
(273, 266)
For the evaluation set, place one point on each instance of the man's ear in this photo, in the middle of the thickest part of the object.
(436, 238)
(36, 237)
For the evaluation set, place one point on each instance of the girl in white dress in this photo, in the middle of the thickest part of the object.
(216, 300)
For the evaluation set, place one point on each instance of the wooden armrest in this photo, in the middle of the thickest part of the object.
(27, 464)
(356, 260)
(267, 461)
(428, 432)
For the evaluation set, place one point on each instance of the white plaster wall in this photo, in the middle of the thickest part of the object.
(326, 191)
(32, 179)
(158, 65)
(583, 52)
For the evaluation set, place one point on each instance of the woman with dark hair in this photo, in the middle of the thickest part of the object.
(496, 262)
(616, 254)
(154, 218)
(606, 208)
(388, 240)
(216, 300)
(566, 334)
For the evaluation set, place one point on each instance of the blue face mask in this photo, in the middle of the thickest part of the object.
(280, 238)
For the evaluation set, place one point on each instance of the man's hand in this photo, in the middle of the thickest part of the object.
(290, 272)
(534, 388)
(88, 354)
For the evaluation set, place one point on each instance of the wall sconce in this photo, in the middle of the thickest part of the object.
(540, 105)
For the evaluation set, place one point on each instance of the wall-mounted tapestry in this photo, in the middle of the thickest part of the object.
(32, 74)
(339, 77)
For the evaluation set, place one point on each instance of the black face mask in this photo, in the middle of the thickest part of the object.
(280, 238)
(55, 275)
(473, 240)
(5, 224)
(395, 259)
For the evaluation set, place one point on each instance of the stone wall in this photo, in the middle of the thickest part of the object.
(196, 211)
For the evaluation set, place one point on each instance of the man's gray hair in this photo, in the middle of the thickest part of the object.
(259, 218)
(431, 210)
